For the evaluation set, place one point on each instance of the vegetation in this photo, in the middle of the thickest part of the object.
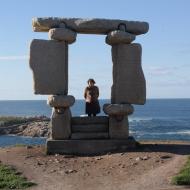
(11, 179)
(183, 178)
(11, 120)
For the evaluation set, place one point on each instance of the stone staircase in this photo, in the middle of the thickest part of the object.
(90, 127)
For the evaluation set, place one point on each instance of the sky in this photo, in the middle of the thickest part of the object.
(165, 48)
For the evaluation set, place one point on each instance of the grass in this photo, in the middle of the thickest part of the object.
(183, 178)
(11, 179)
(10, 120)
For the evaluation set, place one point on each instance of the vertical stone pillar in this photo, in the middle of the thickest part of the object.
(66, 36)
(128, 80)
(61, 116)
(118, 119)
(49, 63)
(60, 123)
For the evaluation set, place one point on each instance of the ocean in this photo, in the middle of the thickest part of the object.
(158, 119)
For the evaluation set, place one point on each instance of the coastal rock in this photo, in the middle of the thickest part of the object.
(119, 37)
(129, 85)
(62, 34)
(118, 109)
(60, 101)
(89, 26)
(49, 63)
(36, 129)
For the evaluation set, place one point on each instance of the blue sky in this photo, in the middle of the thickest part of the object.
(166, 47)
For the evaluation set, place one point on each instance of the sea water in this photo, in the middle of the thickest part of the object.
(158, 119)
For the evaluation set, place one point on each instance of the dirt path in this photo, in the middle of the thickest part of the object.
(149, 167)
(160, 177)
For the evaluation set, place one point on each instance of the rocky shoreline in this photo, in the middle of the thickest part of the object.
(33, 127)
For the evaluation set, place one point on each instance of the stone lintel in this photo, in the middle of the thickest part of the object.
(89, 26)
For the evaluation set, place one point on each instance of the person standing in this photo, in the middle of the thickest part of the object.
(91, 95)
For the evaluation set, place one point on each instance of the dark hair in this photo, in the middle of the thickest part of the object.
(91, 80)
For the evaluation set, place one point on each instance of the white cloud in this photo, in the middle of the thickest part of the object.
(158, 71)
(14, 58)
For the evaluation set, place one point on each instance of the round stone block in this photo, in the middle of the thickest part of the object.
(119, 37)
(59, 101)
(62, 34)
(118, 109)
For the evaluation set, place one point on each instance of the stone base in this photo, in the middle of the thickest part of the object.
(89, 147)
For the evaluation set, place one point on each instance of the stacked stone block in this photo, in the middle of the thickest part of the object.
(49, 62)
(128, 80)
(118, 119)
(61, 116)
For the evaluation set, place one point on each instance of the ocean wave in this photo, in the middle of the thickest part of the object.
(138, 119)
(158, 119)
(185, 132)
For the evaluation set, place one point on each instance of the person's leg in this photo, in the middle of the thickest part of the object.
(94, 114)
(89, 114)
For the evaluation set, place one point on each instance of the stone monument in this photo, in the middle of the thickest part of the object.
(49, 63)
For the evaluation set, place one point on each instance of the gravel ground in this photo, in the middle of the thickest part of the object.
(149, 167)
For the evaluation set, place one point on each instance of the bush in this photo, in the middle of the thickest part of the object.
(183, 178)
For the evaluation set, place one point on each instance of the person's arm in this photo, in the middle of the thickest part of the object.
(85, 93)
(97, 93)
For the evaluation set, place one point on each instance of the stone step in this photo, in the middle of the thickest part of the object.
(90, 128)
(89, 136)
(89, 120)
(89, 147)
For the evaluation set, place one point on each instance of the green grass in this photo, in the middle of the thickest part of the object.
(10, 120)
(11, 179)
(183, 178)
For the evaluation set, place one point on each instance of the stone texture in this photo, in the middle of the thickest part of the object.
(49, 63)
(89, 136)
(89, 147)
(128, 79)
(118, 127)
(118, 109)
(119, 37)
(61, 125)
(89, 128)
(89, 120)
(62, 34)
(89, 26)
(61, 101)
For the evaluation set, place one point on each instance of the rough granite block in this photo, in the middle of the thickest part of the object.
(89, 26)
(89, 147)
(63, 34)
(61, 101)
(118, 109)
(49, 63)
(118, 127)
(128, 78)
(61, 125)
(119, 37)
